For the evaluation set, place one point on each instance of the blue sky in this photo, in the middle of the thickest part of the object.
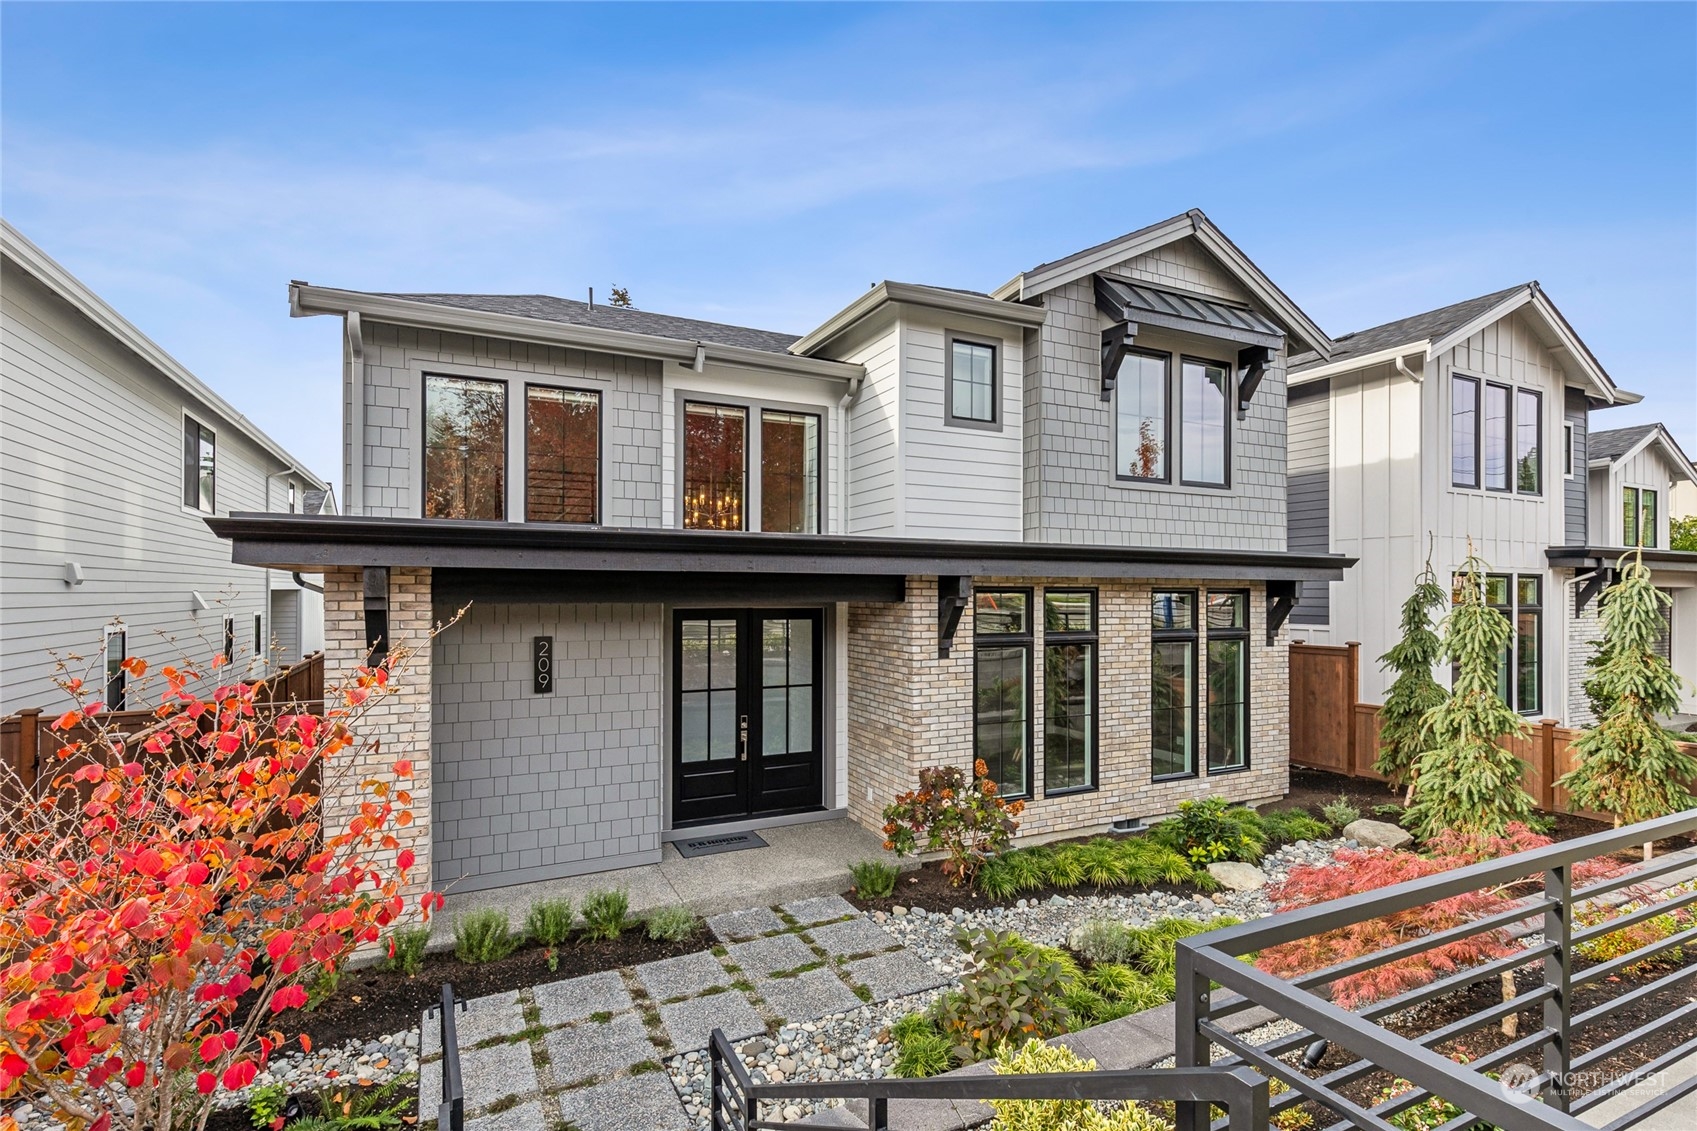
(764, 164)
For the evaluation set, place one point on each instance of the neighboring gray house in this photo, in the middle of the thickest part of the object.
(1471, 423)
(722, 578)
(111, 457)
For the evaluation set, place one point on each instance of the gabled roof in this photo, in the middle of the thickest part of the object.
(50, 274)
(1194, 224)
(1616, 445)
(1438, 331)
(570, 311)
(950, 299)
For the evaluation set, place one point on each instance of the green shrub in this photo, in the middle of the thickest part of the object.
(406, 950)
(1012, 991)
(910, 1024)
(1287, 826)
(926, 1054)
(604, 914)
(1064, 868)
(963, 819)
(485, 936)
(874, 879)
(997, 879)
(324, 985)
(671, 924)
(1340, 813)
(549, 921)
(1104, 865)
(347, 1107)
(265, 1104)
(1213, 829)
(1061, 1115)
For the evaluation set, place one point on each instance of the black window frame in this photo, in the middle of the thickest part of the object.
(1510, 665)
(1231, 634)
(1168, 399)
(1521, 392)
(193, 496)
(950, 417)
(229, 638)
(1024, 640)
(1064, 638)
(761, 411)
(1570, 436)
(750, 420)
(600, 451)
(1478, 431)
(1653, 499)
(1508, 437)
(505, 449)
(1176, 635)
(117, 679)
(1227, 396)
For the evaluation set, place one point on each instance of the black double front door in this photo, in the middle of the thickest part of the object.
(747, 726)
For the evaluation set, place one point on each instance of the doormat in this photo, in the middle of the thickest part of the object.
(712, 845)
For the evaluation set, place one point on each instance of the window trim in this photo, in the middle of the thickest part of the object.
(182, 494)
(506, 384)
(1508, 437)
(1026, 640)
(1478, 431)
(1091, 637)
(229, 638)
(259, 648)
(1511, 612)
(753, 480)
(1637, 514)
(1230, 396)
(600, 453)
(1568, 436)
(817, 413)
(1192, 635)
(1166, 476)
(950, 420)
(120, 677)
(1572, 466)
(1245, 636)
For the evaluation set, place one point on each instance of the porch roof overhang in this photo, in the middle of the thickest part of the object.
(314, 542)
(1607, 557)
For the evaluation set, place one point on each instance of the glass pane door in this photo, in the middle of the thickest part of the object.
(709, 723)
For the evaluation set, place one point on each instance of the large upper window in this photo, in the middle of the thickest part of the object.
(1069, 690)
(562, 454)
(1228, 681)
(1638, 517)
(1141, 390)
(1147, 435)
(1496, 437)
(465, 448)
(971, 382)
(715, 466)
(1001, 687)
(1173, 725)
(200, 466)
(789, 472)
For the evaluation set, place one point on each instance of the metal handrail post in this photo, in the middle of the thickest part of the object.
(1558, 975)
(1191, 1049)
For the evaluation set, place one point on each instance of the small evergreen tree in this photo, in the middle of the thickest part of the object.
(1402, 720)
(1628, 766)
(1465, 780)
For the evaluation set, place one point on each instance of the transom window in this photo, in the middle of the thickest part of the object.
(1496, 437)
(1069, 690)
(1173, 725)
(1145, 389)
(200, 466)
(1001, 687)
(465, 447)
(1638, 517)
(971, 382)
(562, 454)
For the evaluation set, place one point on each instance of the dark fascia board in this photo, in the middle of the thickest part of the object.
(312, 542)
(529, 587)
(1607, 557)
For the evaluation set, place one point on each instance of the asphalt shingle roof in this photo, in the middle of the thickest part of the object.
(1429, 326)
(547, 308)
(1616, 442)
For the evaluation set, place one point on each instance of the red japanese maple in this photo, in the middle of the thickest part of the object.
(165, 898)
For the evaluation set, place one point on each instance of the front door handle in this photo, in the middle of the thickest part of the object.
(742, 738)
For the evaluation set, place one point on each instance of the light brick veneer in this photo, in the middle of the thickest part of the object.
(909, 709)
(396, 726)
(1584, 634)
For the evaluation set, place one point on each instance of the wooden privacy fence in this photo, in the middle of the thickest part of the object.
(1330, 729)
(28, 736)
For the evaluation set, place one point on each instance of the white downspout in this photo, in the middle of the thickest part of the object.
(356, 414)
(1417, 378)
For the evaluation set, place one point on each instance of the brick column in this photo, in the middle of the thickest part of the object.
(398, 725)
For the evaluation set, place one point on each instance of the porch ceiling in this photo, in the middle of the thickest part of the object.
(312, 542)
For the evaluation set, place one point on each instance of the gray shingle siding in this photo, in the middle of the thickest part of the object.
(530, 787)
(1573, 490)
(1308, 522)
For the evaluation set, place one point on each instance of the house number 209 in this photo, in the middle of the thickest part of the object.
(541, 665)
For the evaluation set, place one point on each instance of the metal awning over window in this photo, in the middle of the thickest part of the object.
(1133, 306)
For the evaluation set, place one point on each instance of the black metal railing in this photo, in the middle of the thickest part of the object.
(1530, 1097)
(450, 1113)
(736, 1098)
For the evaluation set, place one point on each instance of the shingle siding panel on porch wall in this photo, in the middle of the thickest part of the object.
(537, 786)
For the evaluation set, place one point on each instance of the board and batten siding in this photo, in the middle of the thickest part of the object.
(1072, 494)
(1308, 517)
(1574, 487)
(91, 442)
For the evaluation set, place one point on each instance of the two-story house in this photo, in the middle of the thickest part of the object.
(726, 578)
(111, 456)
(1471, 425)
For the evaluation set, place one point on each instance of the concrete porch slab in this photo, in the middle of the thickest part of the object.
(799, 862)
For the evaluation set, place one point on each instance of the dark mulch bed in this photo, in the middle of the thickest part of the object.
(371, 1002)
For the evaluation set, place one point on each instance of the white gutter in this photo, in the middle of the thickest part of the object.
(1417, 378)
(1391, 356)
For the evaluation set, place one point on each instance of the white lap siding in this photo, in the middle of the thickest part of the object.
(528, 786)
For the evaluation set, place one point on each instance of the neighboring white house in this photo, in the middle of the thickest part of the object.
(1466, 424)
(112, 455)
